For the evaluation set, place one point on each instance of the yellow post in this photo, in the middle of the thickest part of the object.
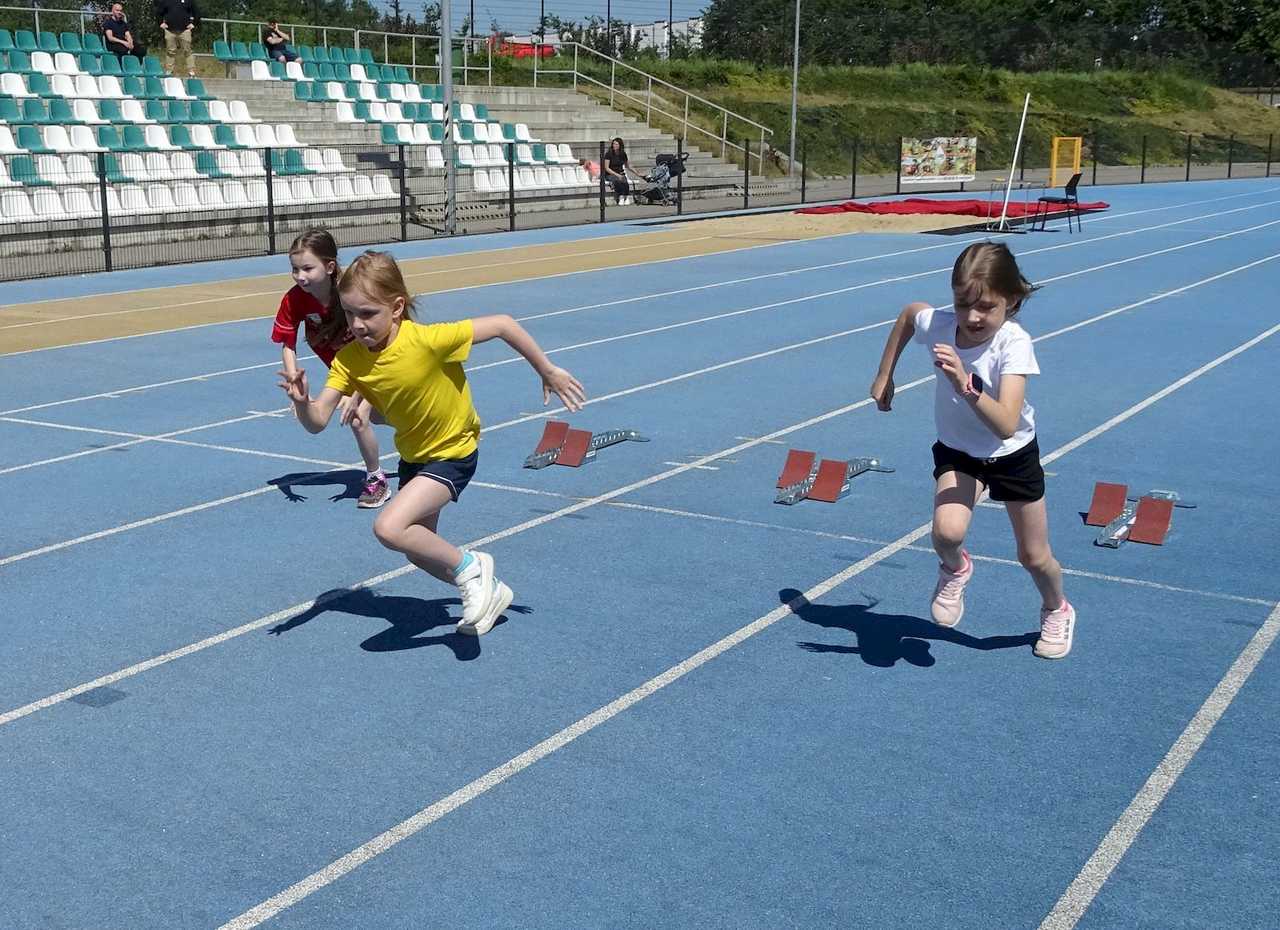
(1072, 144)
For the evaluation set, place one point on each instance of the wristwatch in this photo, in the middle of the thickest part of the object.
(974, 387)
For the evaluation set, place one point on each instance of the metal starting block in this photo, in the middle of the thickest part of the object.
(803, 476)
(561, 445)
(1144, 519)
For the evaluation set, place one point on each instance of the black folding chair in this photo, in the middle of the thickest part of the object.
(1045, 204)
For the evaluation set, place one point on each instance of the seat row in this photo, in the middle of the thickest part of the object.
(528, 179)
(59, 111)
(27, 41)
(310, 71)
(240, 52)
(79, 203)
(129, 167)
(17, 140)
(106, 87)
(67, 63)
(395, 132)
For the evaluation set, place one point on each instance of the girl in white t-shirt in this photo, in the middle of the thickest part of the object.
(986, 430)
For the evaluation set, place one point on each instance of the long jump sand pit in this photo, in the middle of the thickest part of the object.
(791, 225)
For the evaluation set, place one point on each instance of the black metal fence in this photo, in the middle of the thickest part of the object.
(102, 211)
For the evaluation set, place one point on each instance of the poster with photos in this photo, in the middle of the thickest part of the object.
(947, 159)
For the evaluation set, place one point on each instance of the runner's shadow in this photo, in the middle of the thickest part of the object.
(410, 618)
(883, 639)
(351, 480)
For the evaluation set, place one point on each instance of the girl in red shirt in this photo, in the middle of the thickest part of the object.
(313, 304)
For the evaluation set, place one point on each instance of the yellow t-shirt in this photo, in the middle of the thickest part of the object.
(418, 385)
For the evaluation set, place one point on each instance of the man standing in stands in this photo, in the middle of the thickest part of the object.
(178, 20)
(118, 35)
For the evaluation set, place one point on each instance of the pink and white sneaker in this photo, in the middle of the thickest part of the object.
(1056, 630)
(948, 596)
(377, 491)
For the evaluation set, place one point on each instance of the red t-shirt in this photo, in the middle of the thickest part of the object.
(297, 307)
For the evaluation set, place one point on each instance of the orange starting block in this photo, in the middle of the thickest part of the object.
(804, 477)
(1145, 519)
(561, 445)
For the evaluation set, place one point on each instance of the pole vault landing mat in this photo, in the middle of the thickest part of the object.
(920, 205)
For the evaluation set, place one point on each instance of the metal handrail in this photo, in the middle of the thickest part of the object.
(647, 102)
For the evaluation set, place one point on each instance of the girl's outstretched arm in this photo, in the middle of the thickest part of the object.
(903, 329)
(314, 415)
(554, 379)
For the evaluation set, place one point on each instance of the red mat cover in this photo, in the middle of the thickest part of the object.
(917, 205)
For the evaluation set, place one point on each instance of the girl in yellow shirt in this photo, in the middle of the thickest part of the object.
(412, 374)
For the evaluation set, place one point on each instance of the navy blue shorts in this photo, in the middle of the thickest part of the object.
(454, 474)
(1013, 477)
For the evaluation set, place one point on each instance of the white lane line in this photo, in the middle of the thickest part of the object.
(953, 243)
(491, 779)
(653, 384)
(1081, 892)
(699, 467)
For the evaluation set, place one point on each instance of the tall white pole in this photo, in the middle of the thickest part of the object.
(795, 81)
(1017, 150)
(446, 81)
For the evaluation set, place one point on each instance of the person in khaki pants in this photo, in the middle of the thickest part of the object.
(178, 20)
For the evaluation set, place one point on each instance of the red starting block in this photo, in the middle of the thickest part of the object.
(561, 445)
(1151, 522)
(553, 436)
(1107, 504)
(798, 467)
(577, 443)
(832, 474)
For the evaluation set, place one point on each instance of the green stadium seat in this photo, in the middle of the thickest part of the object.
(319, 93)
(49, 43)
(276, 70)
(110, 64)
(34, 112)
(366, 56)
(389, 134)
(132, 85)
(200, 112)
(509, 132)
(9, 111)
(383, 91)
(155, 110)
(130, 65)
(6, 40)
(151, 66)
(135, 140)
(304, 54)
(258, 52)
(351, 56)
(482, 113)
(207, 164)
(222, 50)
(110, 111)
(362, 111)
(109, 138)
(436, 132)
(70, 42)
(325, 72)
(153, 88)
(25, 40)
(29, 138)
(60, 112)
(352, 90)
(310, 70)
(225, 135)
(178, 112)
(239, 52)
(181, 136)
(294, 162)
(431, 93)
(195, 87)
(23, 170)
(114, 174)
(19, 61)
(539, 151)
(467, 132)
(342, 71)
(372, 72)
(302, 91)
(402, 75)
(93, 44)
(321, 55)
(89, 64)
(38, 84)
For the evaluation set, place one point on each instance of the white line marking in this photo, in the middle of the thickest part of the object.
(959, 239)
(1081, 892)
(700, 467)
(496, 776)
(773, 442)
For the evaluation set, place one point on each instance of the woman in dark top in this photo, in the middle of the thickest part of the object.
(616, 165)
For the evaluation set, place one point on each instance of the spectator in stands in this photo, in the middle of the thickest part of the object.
(278, 43)
(117, 34)
(616, 165)
(178, 20)
(591, 167)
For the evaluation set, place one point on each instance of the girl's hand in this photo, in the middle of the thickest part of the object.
(295, 386)
(945, 357)
(566, 387)
(354, 411)
(882, 392)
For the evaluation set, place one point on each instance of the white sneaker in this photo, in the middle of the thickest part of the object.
(484, 598)
(1057, 629)
(948, 596)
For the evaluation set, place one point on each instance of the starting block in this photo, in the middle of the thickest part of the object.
(1144, 519)
(803, 476)
(561, 445)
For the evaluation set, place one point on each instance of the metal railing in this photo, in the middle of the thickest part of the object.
(723, 135)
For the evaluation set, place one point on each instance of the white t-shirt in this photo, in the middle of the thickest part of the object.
(1008, 352)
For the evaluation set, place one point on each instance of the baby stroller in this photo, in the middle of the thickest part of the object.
(666, 167)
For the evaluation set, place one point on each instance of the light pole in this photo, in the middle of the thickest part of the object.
(795, 81)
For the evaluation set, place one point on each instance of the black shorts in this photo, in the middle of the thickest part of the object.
(1013, 477)
(454, 474)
